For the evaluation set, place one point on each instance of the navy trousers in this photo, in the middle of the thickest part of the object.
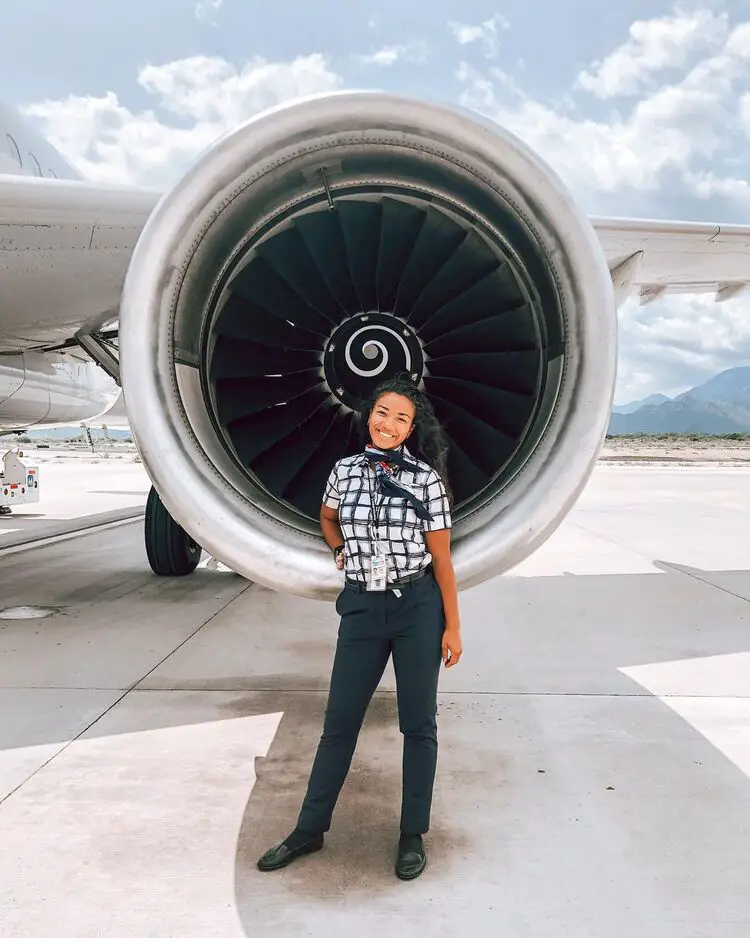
(374, 626)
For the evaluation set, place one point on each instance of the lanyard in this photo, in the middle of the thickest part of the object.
(376, 504)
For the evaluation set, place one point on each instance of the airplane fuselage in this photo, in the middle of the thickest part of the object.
(43, 388)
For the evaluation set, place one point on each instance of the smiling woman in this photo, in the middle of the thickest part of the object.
(386, 516)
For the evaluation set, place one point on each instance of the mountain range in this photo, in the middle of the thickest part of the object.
(718, 406)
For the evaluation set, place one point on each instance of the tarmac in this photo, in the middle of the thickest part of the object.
(594, 740)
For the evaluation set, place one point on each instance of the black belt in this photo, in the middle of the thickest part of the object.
(403, 581)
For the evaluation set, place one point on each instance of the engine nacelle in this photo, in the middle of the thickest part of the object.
(323, 246)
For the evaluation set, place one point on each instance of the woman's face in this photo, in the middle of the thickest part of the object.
(391, 420)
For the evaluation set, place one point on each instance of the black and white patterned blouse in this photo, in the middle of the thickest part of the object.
(353, 489)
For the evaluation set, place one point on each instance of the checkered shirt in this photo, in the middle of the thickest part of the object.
(353, 489)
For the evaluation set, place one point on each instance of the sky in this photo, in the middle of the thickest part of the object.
(644, 112)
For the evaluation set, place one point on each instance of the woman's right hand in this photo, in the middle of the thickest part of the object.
(340, 560)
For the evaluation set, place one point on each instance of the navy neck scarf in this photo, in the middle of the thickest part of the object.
(389, 486)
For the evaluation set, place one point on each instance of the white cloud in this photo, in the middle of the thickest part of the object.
(661, 132)
(667, 130)
(204, 96)
(679, 342)
(654, 45)
(486, 33)
(672, 138)
(207, 10)
(743, 113)
(415, 51)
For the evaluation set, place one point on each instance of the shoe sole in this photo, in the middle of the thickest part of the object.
(413, 874)
(269, 868)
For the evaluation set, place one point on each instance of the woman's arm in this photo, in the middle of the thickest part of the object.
(439, 545)
(329, 525)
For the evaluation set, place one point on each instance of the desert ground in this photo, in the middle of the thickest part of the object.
(671, 448)
(676, 449)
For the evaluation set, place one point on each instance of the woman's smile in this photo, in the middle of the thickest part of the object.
(391, 420)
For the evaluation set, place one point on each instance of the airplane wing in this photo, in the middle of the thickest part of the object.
(64, 251)
(65, 248)
(677, 257)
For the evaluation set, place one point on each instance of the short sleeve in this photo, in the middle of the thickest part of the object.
(331, 497)
(437, 504)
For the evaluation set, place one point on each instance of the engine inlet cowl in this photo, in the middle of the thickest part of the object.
(323, 247)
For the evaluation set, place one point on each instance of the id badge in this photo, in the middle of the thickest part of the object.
(376, 579)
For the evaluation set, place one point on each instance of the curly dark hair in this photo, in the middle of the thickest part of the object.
(431, 441)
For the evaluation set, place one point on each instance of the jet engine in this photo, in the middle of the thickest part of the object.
(322, 247)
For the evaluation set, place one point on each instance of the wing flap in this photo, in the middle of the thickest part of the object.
(678, 257)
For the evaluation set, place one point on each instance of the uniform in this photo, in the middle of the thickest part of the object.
(383, 511)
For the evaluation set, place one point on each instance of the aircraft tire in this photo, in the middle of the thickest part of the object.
(170, 550)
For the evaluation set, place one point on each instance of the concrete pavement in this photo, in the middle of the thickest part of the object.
(594, 760)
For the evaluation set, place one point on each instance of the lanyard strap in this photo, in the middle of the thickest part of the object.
(376, 503)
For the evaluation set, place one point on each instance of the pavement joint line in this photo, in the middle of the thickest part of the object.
(679, 569)
(676, 568)
(49, 540)
(121, 697)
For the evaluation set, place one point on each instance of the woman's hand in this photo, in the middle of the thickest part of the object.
(340, 560)
(452, 649)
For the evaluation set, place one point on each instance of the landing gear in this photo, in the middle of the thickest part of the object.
(170, 550)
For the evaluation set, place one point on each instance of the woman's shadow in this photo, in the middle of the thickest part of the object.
(360, 849)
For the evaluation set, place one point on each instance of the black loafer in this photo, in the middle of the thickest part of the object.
(282, 855)
(411, 859)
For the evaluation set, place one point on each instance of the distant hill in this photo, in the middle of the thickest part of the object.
(636, 405)
(730, 385)
(719, 405)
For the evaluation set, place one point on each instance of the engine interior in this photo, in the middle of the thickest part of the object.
(358, 284)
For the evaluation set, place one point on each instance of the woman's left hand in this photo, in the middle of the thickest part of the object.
(452, 649)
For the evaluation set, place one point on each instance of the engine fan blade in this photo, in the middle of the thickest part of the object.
(472, 262)
(256, 433)
(482, 443)
(307, 487)
(360, 225)
(439, 238)
(324, 240)
(239, 358)
(282, 463)
(503, 332)
(504, 410)
(516, 371)
(240, 397)
(492, 295)
(260, 283)
(243, 319)
(288, 255)
(399, 231)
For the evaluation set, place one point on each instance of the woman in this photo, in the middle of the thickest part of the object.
(386, 517)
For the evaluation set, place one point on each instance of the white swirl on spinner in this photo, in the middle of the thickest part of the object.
(374, 344)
